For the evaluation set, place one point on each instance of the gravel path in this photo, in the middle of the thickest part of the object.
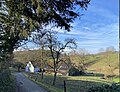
(25, 85)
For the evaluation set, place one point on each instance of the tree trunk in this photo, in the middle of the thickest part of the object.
(10, 58)
(42, 65)
(54, 79)
(42, 74)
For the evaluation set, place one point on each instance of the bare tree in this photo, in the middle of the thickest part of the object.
(101, 50)
(82, 58)
(110, 49)
(78, 59)
(40, 39)
(57, 48)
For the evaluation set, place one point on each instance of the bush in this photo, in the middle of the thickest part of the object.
(115, 87)
(7, 83)
(15, 65)
(75, 72)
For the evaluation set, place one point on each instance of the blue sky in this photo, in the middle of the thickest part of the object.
(97, 28)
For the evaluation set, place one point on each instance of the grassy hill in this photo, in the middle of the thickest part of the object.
(107, 63)
(33, 55)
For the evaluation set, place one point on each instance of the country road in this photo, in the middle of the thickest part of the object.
(25, 85)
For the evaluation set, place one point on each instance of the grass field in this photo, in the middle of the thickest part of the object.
(73, 84)
(7, 81)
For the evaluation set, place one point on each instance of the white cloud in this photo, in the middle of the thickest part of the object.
(96, 37)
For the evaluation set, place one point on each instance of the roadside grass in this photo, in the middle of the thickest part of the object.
(7, 81)
(13, 70)
(73, 83)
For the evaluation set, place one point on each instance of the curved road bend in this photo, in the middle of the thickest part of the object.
(25, 85)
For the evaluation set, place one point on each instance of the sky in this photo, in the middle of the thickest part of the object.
(97, 28)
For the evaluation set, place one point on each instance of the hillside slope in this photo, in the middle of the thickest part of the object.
(33, 55)
(107, 63)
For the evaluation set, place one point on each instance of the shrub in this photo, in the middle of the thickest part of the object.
(7, 83)
(72, 70)
(75, 72)
(115, 87)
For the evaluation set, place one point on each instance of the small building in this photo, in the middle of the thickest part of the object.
(29, 67)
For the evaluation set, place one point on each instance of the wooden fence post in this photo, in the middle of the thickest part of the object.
(64, 86)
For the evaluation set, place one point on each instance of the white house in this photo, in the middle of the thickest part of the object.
(29, 67)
